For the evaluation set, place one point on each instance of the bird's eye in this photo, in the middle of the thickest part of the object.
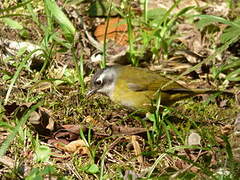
(98, 82)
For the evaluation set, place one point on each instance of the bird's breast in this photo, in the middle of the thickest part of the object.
(132, 99)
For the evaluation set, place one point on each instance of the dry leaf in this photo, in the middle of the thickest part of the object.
(117, 31)
(127, 130)
(90, 119)
(72, 128)
(34, 118)
(194, 139)
(7, 161)
(219, 140)
(42, 85)
(191, 38)
(42, 121)
(137, 149)
(226, 130)
(74, 146)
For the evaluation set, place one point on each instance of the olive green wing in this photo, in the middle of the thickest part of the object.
(143, 80)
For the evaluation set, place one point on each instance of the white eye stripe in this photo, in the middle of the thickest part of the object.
(101, 77)
(98, 81)
(106, 81)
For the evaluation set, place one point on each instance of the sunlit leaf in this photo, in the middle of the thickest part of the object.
(66, 25)
(91, 169)
(234, 76)
(209, 19)
(42, 153)
(12, 23)
(230, 33)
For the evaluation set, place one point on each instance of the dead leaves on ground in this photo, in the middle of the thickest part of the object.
(66, 139)
(115, 29)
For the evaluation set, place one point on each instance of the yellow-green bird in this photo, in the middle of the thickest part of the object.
(137, 88)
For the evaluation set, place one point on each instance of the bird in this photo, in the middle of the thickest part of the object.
(138, 88)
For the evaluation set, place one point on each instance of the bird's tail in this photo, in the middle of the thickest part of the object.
(196, 91)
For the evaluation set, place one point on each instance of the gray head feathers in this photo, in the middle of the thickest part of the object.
(104, 80)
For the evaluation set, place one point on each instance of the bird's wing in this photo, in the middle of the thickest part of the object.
(143, 80)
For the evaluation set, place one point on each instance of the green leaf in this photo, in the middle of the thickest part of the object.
(234, 64)
(156, 13)
(6, 77)
(230, 33)
(12, 23)
(209, 19)
(234, 76)
(151, 117)
(66, 25)
(91, 169)
(10, 137)
(40, 174)
(34, 175)
(24, 33)
(42, 153)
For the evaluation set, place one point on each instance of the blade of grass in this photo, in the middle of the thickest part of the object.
(104, 61)
(173, 127)
(208, 19)
(65, 24)
(145, 7)
(131, 38)
(12, 23)
(205, 170)
(23, 120)
(15, 7)
(103, 157)
(79, 69)
(19, 69)
(160, 158)
(34, 15)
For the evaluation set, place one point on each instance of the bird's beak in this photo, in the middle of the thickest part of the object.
(91, 92)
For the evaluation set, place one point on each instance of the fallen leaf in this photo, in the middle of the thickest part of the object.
(72, 128)
(34, 118)
(194, 139)
(7, 161)
(116, 31)
(42, 121)
(137, 149)
(226, 130)
(127, 130)
(191, 38)
(74, 146)
(42, 85)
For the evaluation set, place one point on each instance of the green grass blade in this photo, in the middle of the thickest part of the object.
(12, 23)
(160, 158)
(14, 7)
(66, 25)
(19, 69)
(10, 138)
(209, 19)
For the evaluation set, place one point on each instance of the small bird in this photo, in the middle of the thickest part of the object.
(137, 88)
